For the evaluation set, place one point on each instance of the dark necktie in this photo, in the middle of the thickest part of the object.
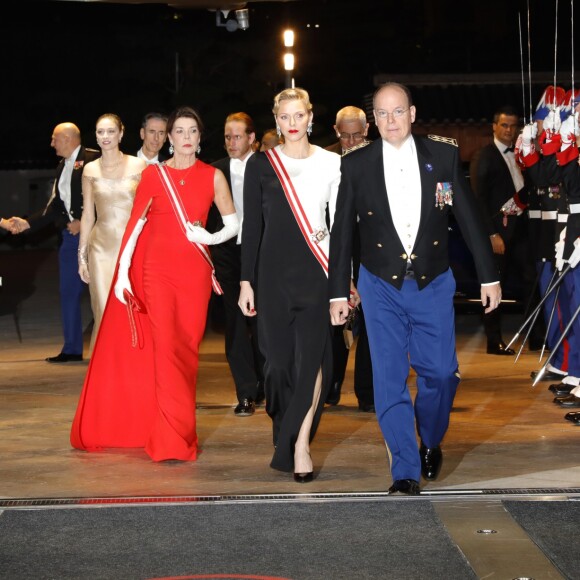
(508, 149)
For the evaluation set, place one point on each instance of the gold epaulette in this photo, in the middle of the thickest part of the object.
(355, 147)
(448, 140)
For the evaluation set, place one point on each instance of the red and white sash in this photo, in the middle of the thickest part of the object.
(297, 209)
(182, 220)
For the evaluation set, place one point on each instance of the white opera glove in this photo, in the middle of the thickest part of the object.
(553, 121)
(560, 250)
(199, 235)
(123, 282)
(575, 256)
(569, 130)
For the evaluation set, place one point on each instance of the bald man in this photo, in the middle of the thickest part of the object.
(64, 210)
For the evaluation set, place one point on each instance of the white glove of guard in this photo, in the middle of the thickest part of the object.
(553, 121)
(525, 142)
(199, 235)
(560, 250)
(510, 207)
(529, 133)
(123, 282)
(569, 130)
(575, 256)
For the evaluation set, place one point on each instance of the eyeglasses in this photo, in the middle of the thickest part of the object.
(396, 114)
(349, 136)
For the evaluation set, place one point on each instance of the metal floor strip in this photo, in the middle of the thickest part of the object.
(571, 494)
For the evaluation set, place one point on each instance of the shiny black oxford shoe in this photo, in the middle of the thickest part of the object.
(63, 357)
(245, 408)
(431, 460)
(405, 486)
(549, 376)
(499, 348)
(560, 390)
(568, 401)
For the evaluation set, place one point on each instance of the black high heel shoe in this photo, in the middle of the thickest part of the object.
(304, 477)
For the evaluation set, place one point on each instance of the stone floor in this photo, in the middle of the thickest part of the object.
(503, 434)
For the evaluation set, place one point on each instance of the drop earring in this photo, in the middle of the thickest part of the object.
(198, 150)
(171, 150)
(278, 131)
(309, 129)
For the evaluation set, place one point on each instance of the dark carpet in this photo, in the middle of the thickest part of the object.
(395, 540)
(554, 526)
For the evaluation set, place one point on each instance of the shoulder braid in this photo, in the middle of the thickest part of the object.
(448, 140)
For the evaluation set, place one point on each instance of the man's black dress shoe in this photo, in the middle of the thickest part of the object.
(568, 401)
(304, 477)
(549, 376)
(63, 357)
(245, 408)
(405, 486)
(499, 348)
(366, 407)
(431, 460)
(560, 390)
(572, 416)
(333, 396)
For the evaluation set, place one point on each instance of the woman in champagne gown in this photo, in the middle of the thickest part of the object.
(287, 263)
(140, 387)
(109, 186)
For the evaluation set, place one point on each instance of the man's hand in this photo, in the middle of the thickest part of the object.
(569, 130)
(510, 207)
(497, 244)
(17, 225)
(339, 312)
(491, 297)
(74, 227)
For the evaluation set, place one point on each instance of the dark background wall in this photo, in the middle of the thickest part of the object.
(76, 60)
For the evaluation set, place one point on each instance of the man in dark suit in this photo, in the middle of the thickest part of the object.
(241, 336)
(351, 129)
(153, 133)
(402, 188)
(498, 182)
(64, 209)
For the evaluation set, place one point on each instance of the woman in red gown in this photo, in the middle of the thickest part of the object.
(140, 386)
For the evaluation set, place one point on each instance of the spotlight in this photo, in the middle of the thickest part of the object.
(241, 21)
(243, 18)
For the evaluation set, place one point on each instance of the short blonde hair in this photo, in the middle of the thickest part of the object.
(294, 94)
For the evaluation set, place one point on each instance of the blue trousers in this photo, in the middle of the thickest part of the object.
(71, 290)
(411, 328)
(572, 286)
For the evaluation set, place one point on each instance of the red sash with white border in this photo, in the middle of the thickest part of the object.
(297, 209)
(181, 215)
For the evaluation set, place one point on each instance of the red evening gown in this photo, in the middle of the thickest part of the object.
(144, 396)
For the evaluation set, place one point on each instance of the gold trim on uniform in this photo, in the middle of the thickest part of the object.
(448, 140)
